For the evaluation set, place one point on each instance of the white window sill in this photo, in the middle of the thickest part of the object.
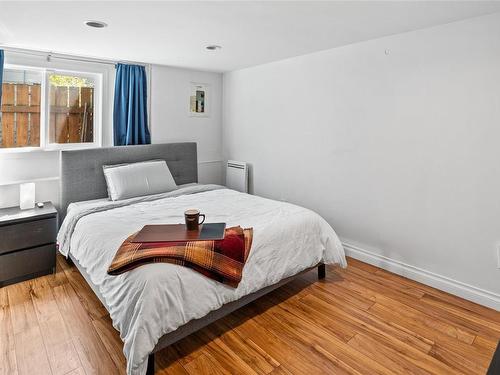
(17, 182)
(20, 150)
(51, 148)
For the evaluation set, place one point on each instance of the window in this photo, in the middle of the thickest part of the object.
(49, 109)
(71, 109)
(20, 117)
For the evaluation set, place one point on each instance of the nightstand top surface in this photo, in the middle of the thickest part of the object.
(12, 215)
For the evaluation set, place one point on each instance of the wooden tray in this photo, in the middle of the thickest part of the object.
(178, 232)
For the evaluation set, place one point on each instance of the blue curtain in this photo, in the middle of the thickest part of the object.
(130, 116)
(1, 73)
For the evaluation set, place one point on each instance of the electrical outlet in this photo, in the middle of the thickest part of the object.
(498, 257)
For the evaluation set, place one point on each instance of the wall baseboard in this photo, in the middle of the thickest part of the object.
(458, 288)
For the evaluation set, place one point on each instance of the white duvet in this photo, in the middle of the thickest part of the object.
(155, 299)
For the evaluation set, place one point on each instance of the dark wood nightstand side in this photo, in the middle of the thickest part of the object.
(27, 243)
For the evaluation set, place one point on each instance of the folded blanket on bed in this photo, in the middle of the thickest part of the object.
(221, 260)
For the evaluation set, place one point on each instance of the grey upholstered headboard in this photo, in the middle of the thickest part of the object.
(82, 177)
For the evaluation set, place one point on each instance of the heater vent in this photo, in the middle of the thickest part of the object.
(237, 176)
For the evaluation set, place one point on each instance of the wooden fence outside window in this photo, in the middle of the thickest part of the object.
(70, 115)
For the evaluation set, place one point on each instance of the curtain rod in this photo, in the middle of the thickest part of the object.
(52, 55)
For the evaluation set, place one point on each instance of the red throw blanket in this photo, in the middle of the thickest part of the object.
(221, 260)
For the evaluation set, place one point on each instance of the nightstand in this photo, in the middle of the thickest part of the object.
(27, 243)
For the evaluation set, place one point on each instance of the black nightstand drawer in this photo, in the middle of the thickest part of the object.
(27, 234)
(26, 263)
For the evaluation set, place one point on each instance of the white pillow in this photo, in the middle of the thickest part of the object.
(138, 179)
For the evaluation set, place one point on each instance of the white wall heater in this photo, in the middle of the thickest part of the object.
(237, 176)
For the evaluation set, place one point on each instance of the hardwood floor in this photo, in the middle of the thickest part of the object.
(362, 320)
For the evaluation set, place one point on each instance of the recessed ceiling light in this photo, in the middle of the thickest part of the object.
(96, 24)
(213, 47)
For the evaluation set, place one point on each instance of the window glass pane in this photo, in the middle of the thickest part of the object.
(71, 111)
(20, 110)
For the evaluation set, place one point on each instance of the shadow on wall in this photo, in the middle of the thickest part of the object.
(250, 179)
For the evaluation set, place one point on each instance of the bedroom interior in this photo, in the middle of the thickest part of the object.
(257, 187)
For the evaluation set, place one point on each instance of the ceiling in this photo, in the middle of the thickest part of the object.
(251, 33)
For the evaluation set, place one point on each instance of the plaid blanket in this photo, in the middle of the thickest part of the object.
(221, 260)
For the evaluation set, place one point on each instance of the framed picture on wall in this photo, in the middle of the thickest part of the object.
(199, 96)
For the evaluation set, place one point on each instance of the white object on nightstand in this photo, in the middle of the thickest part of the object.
(27, 195)
(237, 176)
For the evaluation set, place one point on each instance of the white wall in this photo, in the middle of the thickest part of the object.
(400, 152)
(169, 123)
(170, 120)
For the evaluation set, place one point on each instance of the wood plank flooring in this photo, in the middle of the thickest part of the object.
(361, 320)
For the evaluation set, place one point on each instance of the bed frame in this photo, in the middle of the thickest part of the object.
(82, 179)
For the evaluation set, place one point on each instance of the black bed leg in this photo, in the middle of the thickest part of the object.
(151, 364)
(321, 271)
(69, 261)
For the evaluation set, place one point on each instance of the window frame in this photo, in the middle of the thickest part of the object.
(45, 144)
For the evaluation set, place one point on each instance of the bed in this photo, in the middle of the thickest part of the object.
(288, 241)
